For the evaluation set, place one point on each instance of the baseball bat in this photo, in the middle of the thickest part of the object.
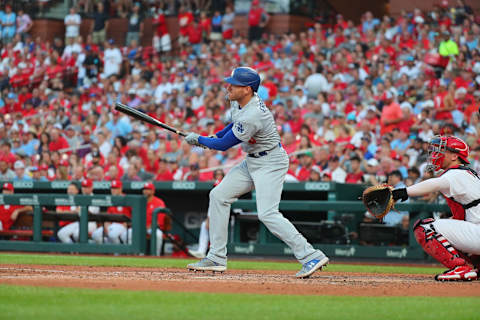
(146, 118)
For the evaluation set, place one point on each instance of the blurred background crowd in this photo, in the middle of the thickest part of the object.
(353, 102)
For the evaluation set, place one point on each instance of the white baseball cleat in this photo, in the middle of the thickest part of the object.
(459, 273)
(311, 266)
(206, 265)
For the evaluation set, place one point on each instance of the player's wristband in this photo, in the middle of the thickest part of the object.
(400, 194)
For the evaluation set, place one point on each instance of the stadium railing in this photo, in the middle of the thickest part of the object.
(40, 201)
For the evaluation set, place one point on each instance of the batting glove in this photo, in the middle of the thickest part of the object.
(192, 138)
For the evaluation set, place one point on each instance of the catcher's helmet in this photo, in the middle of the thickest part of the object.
(440, 144)
(244, 76)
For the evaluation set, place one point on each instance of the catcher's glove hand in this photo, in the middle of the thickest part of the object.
(378, 200)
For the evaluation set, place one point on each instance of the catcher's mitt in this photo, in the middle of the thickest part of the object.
(378, 200)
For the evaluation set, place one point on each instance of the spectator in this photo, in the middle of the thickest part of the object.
(401, 142)
(85, 143)
(398, 163)
(57, 141)
(6, 174)
(161, 39)
(100, 24)
(135, 25)
(163, 172)
(257, 20)
(92, 64)
(72, 25)
(195, 36)
(37, 175)
(326, 177)
(370, 176)
(306, 164)
(369, 22)
(227, 23)
(20, 174)
(24, 24)
(315, 174)
(336, 171)
(448, 47)
(356, 173)
(194, 173)
(392, 114)
(9, 21)
(205, 25)
(112, 60)
(10, 213)
(72, 138)
(185, 18)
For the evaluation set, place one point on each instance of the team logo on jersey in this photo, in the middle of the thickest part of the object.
(239, 127)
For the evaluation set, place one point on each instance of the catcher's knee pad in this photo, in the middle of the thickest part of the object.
(436, 245)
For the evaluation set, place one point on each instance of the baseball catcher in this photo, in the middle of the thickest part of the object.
(454, 242)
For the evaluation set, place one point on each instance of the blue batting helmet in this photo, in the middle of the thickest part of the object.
(244, 76)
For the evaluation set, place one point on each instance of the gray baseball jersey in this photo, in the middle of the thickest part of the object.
(254, 125)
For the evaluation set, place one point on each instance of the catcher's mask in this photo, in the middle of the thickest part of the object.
(439, 144)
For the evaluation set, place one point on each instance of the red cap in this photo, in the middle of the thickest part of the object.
(116, 184)
(327, 174)
(149, 185)
(397, 157)
(87, 183)
(64, 162)
(85, 131)
(43, 167)
(7, 186)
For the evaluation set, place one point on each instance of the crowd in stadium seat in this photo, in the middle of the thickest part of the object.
(353, 102)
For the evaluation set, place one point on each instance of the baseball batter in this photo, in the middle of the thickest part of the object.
(264, 169)
(453, 242)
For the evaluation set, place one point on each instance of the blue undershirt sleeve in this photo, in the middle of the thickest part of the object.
(226, 142)
(222, 132)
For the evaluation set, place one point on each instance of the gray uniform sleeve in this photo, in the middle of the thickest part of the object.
(244, 130)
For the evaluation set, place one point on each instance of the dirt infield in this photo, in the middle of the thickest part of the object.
(234, 281)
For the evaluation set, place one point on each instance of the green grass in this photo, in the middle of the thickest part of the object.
(18, 302)
(110, 261)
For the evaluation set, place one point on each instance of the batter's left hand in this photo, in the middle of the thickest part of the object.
(192, 138)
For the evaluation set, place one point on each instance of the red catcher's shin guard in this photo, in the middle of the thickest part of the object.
(437, 246)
